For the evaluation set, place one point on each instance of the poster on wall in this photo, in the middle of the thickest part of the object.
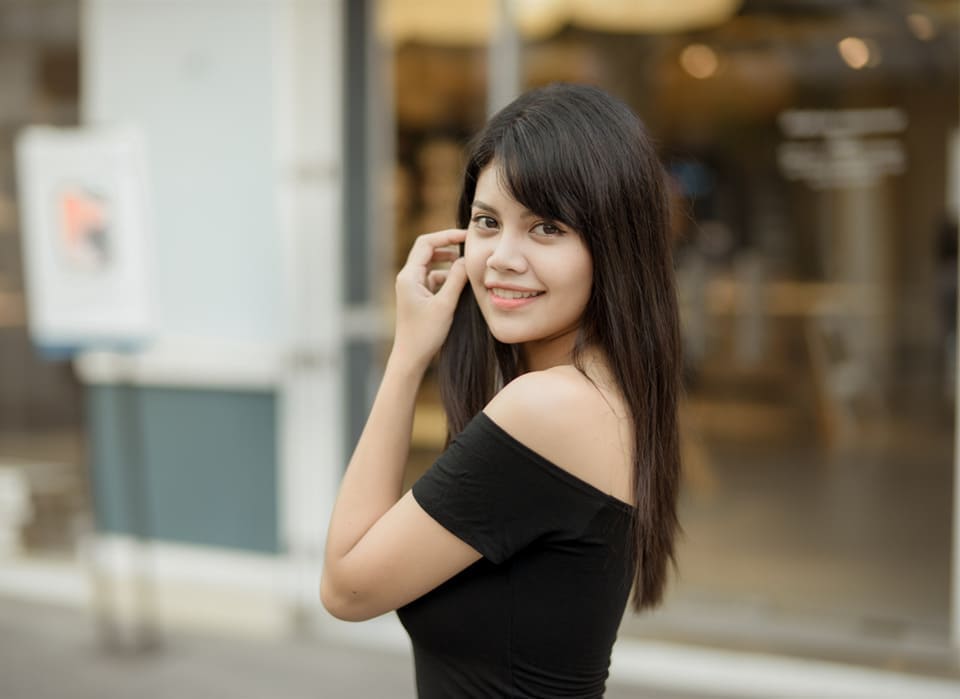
(85, 243)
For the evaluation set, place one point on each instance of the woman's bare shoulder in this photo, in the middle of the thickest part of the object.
(562, 416)
(555, 388)
(540, 388)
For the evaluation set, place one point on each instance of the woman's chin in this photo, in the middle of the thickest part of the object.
(508, 337)
(505, 338)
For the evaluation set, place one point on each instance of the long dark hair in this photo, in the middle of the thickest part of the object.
(574, 154)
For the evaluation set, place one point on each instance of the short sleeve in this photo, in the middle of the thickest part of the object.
(499, 496)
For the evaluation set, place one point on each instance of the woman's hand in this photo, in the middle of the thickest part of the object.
(427, 298)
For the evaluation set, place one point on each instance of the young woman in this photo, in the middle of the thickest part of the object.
(511, 560)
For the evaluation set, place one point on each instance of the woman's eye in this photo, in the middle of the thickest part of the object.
(485, 222)
(548, 229)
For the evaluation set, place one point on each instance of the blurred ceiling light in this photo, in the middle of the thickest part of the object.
(537, 19)
(699, 60)
(473, 23)
(436, 21)
(921, 26)
(856, 52)
(648, 15)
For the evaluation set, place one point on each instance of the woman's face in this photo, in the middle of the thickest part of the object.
(531, 277)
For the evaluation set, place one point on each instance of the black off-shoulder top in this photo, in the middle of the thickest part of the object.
(537, 616)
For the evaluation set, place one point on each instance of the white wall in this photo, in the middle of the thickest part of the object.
(197, 76)
(310, 150)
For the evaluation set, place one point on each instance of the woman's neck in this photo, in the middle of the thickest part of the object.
(559, 351)
(550, 352)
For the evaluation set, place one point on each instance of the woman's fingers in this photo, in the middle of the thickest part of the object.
(453, 283)
(435, 279)
(426, 298)
(445, 255)
(430, 249)
(426, 245)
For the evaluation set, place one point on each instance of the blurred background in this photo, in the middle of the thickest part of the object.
(169, 470)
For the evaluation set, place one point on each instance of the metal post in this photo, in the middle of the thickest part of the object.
(503, 60)
(137, 628)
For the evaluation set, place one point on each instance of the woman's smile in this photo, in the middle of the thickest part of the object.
(509, 297)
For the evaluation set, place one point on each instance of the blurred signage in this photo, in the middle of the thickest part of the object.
(832, 149)
(85, 240)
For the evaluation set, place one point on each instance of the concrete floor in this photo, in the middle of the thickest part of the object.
(49, 652)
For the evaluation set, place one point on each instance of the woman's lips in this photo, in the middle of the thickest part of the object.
(511, 303)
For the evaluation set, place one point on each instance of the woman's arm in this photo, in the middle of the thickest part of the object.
(372, 482)
(355, 570)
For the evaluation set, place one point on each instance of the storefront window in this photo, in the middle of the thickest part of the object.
(810, 147)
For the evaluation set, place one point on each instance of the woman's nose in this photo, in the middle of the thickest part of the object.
(508, 254)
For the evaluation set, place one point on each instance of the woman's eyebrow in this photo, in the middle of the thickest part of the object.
(477, 204)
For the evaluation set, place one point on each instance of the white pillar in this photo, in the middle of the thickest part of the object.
(309, 70)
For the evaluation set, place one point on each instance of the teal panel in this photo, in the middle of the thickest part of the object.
(186, 465)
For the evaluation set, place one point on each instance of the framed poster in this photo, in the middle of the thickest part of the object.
(86, 247)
